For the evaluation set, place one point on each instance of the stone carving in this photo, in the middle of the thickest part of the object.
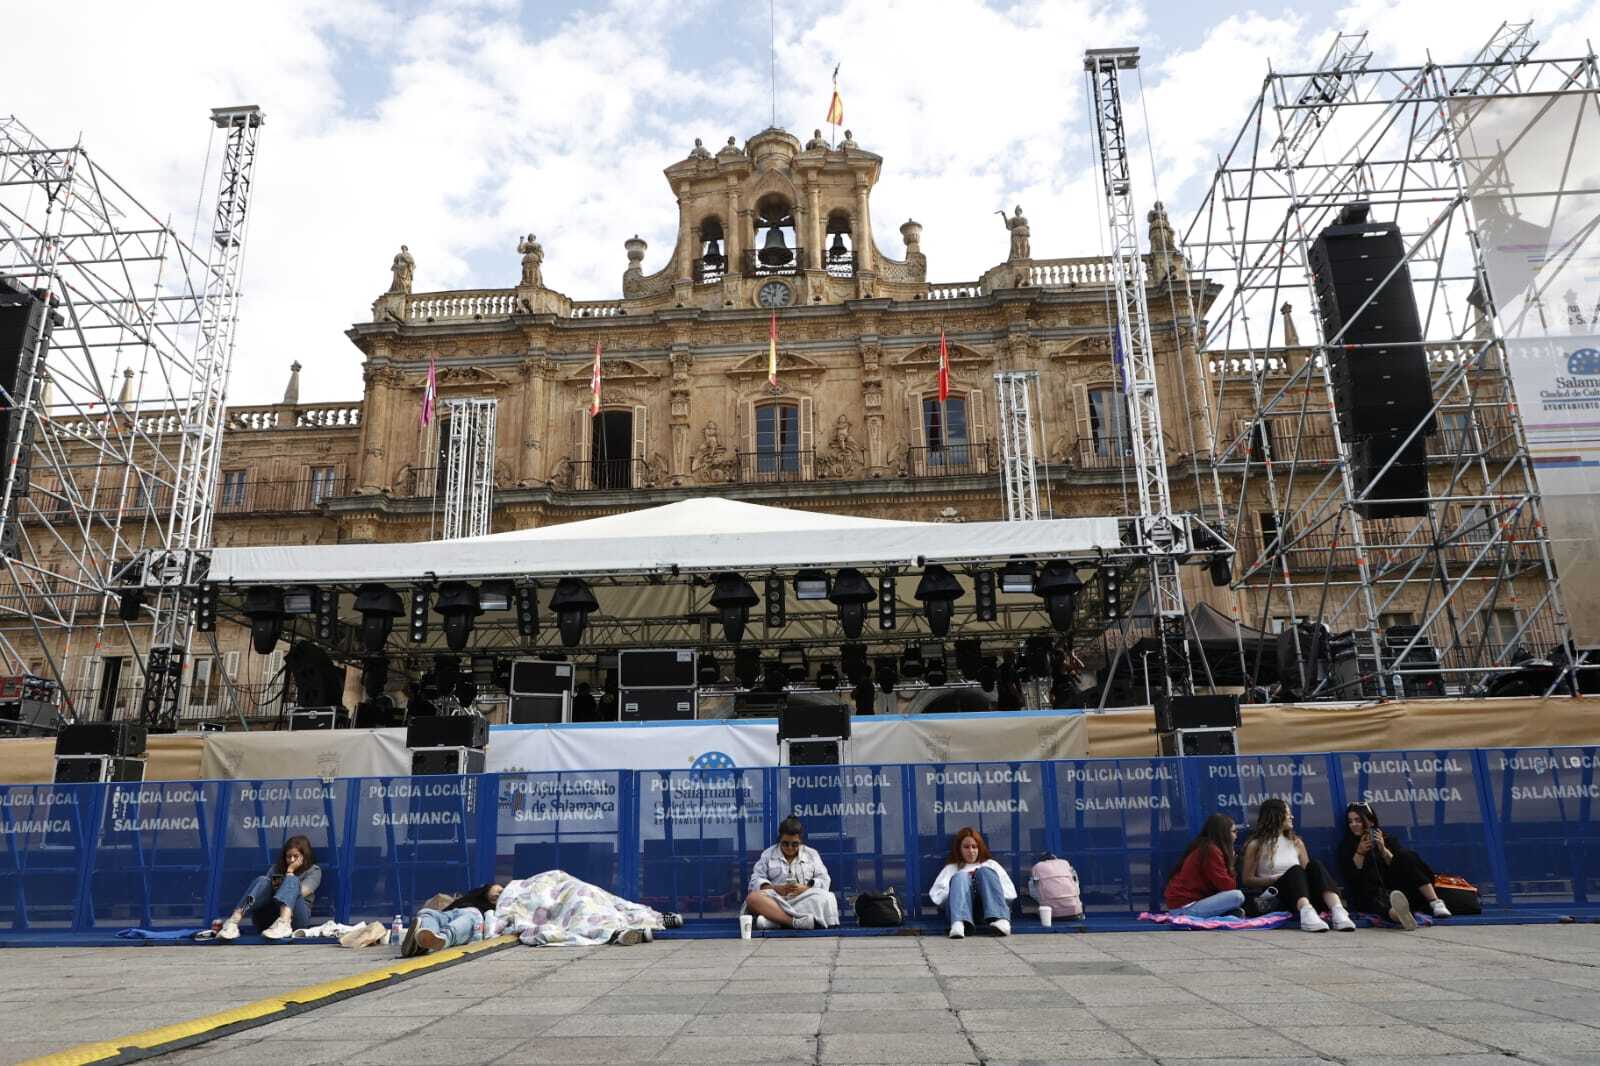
(1018, 225)
(532, 262)
(653, 471)
(699, 150)
(403, 268)
(849, 140)
(843, 455)
(816, 141)
(713, 461)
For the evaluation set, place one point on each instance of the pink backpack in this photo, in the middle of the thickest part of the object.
(1054, 883)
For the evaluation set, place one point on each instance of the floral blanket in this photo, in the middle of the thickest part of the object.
(556, 908)
(1184, 921)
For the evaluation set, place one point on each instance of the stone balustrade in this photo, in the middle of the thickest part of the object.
(954, 290)
(295, 416)
(597, 308)
(467, 303)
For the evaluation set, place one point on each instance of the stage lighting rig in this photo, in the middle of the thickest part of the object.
(811, 585)
(379, 606)
(887, 672)
(1017, 578)
(301, 599)
(205, 608)
(747, 667)
(494, 596)
(886, 601)
(419, 615)
(777, 609)
(984, 608)
(1058, 585)
(733, 597)
(528, 611)
(458, 602)
(851, 593)
(911, 664)
(709, 671)
(938, 591)
(326, 612)
(1111, 592)
(795, 667)
(263, 605)
(572, 601)
(827, 676)
(934, 670)
(863, 696)
(853, 660)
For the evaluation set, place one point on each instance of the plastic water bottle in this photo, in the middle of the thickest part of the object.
(397, 933)
(491, 925)
(477, 927)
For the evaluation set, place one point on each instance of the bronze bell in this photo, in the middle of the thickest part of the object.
(775, 253)
(713, 256)
(837, 250)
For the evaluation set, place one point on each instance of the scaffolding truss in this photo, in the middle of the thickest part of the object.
(124, 422)
(1466, 591)
(469, 468)
(1014, 413)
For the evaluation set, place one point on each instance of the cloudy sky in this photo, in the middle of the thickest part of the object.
(455, 126)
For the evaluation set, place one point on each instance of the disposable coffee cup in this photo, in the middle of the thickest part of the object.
(1046, 916)
(747, 922)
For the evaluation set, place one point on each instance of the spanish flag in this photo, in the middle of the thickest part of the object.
(772, 352)
(594, 383)
(836, 106)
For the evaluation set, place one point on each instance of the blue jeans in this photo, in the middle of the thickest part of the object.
(455, 926)
(991, 897)
(1211, 906)
(262, 903)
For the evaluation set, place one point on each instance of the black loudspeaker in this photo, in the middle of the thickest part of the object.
(1199, 742)
(657, 705)
(537, 677)
(665, 668)
(814, 753)
(537, 710)
(427, 761)
(447, 731)
(87, 769)
(1197, 712)
(800, 722)
(1402, 490)
(25, 322)
(1421, 657)
(117, 739)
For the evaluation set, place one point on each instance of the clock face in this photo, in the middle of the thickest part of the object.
(774, 294)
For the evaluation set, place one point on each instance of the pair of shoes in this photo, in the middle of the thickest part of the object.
(1439, 909)
(763, 922)
(627, 938)
(804, 921)
(1310, 922)
(1400, 911)
(1341, 920)
(409, 948)
(278, 930)
(649, 935)
(672, 921)
(1000, 927)
(428, 940)
(229, 930)
(958, 930)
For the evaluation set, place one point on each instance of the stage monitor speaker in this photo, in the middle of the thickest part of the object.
(541, 710)
(1199, 742)
(538, 677)
(657, 668)
(428, 761)
(814, 753)
(658, 704)
(447, 731)
(813, 721)
(760, 704)
(88, 769)
(1197, 712)
(25, 322)
(1420, 658)
(117, 739)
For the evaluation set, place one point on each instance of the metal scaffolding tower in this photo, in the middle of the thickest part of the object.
(1441, 603)
(1014, 412)
(1161, 532)
(469, 468)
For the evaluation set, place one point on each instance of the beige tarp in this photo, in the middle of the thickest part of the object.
(172, 757)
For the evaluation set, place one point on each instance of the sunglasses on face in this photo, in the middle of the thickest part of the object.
(788, 844)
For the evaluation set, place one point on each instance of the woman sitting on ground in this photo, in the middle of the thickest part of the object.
(1381, 876)
(279, 901)
(972, 874)
(1202, 885)
(1276, 865)
(451, 925)
(790, 886)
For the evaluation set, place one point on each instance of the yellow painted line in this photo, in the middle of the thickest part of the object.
(195, 1031)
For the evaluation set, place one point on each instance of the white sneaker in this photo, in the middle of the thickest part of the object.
(763, 922)
(804, 921)
(278, 930)
(1310, 922)
(1000, 927)
(1400, 911)
(1341, 920)
(1439, 909)
(229, 930)
(958, 930)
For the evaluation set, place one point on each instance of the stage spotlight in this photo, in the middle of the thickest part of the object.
(327, 615)
(777, 609)
(458, 602)
(827, 676)
(263, 605)
(774, 676)
(984, 608)
(572, 601)
(528, 611)
(886, 600)
(205, 608)
(911, 664)
(935, 672)
(709, 671)
(887, 672)
(969, 658)
(733, 597)
(302, 599)
(851, 593)
(853, 659)
(419, 615)
(378, 606)
(795, 667)
(747, 666)
(1058, 584)
(988, 673)
(374, 675)
(494, 596)
(1017, 578)
(1111, 592)
(811, 585)
(938, 591)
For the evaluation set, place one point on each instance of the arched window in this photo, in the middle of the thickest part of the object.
(777, 250)
(713, 261)
(839, 255)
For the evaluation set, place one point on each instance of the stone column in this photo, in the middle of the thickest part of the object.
(865, 264)
(814, 236)
(679, 420)
(372, 477)
(529, 428)
(733, 229)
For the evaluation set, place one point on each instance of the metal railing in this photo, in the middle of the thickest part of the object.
(757, 468)
(1101, 453)
(755, 268)
(709, 270)
(950, 460)
(255, 702)
(279, 497)
(840, 266)
(599, 474)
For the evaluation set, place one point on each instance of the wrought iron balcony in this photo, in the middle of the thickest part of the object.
(758, 468)
(950, 460)
(595, 475)
(278, 497)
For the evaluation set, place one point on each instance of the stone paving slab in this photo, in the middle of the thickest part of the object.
(1468, 996)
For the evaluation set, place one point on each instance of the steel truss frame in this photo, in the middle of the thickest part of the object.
(469, 468)
(125, 425)
(1313, 142)
(1014, 414)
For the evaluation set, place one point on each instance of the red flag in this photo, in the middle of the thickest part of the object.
(594, 383)
(430, 392)
(772, 353)
(944, 368)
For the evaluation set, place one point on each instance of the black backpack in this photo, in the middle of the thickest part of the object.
(879, 909)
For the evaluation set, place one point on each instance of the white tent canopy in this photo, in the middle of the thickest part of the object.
(702, 535)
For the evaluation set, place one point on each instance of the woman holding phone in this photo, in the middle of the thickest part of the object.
(1381, 876)
(279, 901)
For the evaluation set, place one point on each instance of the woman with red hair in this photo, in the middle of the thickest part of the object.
(969, 875)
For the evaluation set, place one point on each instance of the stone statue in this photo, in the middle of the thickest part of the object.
(699, 150)
(713, 461)
(849, 140)
(402, 268)
(816, 141)
(1018, 226)
(532, 262)
(843, 456)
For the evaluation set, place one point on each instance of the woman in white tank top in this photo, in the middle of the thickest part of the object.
(1277, 868)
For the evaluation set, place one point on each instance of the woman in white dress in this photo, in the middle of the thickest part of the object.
(1277, 868)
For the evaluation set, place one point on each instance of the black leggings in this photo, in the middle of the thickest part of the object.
(1407, 873)
(1310, 881)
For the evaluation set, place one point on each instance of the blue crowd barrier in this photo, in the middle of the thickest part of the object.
(1519, 823)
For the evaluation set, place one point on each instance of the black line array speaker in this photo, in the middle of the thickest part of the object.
(1381, 386)
(425, 761)
(118, 739)
(25, 322)
(657, 668)
(1197, 712)
(86, 769)
(800, 722)
(447, 731)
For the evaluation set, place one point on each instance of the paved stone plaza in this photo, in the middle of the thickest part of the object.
(1473, 995)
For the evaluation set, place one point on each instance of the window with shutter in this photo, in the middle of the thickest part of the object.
(978, 431)
(808, 437)
(641, 443)
(1108, 423)
(200, 682)
(777, 439)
